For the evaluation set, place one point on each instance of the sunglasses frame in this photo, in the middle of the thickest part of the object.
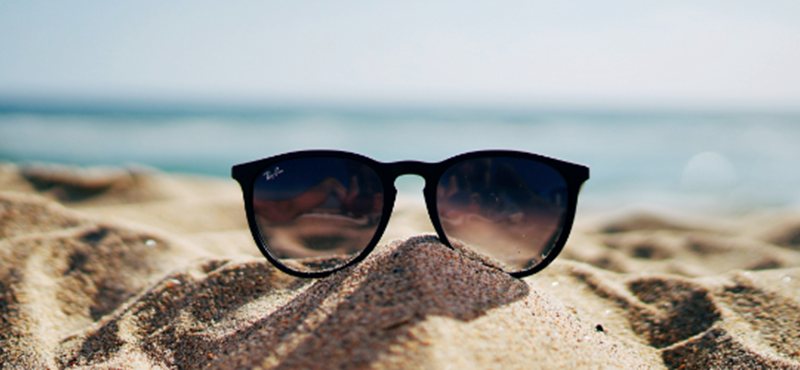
(388, 172)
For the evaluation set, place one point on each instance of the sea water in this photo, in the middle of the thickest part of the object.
(706, 161)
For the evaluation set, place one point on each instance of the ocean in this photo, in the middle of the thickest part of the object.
(729, 162)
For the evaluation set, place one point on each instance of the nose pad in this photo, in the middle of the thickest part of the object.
(410, 215)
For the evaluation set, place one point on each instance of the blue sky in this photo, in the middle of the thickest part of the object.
(728, 54)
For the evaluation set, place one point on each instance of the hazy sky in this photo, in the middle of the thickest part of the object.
(529, 53)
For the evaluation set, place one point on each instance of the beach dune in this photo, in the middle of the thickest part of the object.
(130, 268)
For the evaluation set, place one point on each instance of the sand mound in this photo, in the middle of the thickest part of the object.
(172, 280)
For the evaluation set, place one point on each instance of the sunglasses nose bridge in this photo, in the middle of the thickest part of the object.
(421, 169)
(428, 173)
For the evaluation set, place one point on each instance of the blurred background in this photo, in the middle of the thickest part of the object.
(686, 104)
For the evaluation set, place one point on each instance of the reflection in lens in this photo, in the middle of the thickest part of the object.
(316, 214)
(510, 209)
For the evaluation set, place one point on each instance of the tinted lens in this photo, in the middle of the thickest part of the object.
(506, 208)
(317, 214)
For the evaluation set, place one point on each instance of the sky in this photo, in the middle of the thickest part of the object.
(574, 53)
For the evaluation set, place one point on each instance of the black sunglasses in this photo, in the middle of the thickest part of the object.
(312, 213)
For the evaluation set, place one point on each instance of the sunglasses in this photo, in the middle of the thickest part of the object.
(312, 213)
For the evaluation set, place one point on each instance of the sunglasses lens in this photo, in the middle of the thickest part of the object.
(317, 214)
(507, 208)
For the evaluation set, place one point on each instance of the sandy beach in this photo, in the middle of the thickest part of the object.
(131, 268)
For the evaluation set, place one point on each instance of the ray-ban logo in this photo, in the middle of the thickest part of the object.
(271, 175)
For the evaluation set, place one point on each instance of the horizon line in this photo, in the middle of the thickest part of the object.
(249, 106)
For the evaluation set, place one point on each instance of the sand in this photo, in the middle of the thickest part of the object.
(129, 268)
